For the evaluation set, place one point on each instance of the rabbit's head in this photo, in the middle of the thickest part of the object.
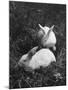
(49, 38)
(25, 59)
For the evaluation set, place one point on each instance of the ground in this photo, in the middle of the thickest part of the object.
(24, 19)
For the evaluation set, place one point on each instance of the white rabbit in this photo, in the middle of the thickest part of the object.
(48, 38)
(26, 57)
(43, 58)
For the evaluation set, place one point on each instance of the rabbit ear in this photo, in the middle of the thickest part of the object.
(49, 32)
(41, 27)
(47, 36)
(32, 51)
(52, 27)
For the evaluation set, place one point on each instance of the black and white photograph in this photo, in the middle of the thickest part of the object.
(37, 44)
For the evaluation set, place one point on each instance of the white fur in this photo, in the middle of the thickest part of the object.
(51, 40)
(42, 58)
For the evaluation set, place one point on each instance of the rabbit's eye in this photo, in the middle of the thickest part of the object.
(25, 60)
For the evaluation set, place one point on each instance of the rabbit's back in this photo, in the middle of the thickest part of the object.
(42, 58)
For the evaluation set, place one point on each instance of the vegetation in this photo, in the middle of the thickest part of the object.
(24, 19)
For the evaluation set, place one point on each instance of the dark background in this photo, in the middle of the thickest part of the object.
(24, 18)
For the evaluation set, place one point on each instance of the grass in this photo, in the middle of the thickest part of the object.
(24, 19)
